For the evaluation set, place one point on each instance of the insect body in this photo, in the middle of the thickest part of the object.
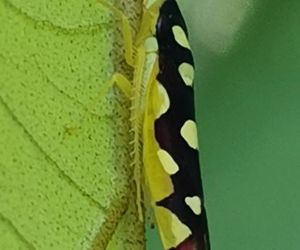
(170, 136)
(163, 103)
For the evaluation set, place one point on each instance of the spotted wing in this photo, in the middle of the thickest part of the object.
(172, 149)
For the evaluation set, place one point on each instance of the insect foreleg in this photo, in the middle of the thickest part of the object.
(126, 32)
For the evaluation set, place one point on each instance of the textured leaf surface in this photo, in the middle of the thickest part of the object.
(64, 157)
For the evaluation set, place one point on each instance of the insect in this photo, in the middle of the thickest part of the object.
(163, 123)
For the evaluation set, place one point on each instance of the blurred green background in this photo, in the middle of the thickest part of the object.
(248, 70)
(247, 57)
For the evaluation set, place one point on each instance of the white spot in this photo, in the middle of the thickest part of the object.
(189, 133)
(161, 101)
(194, 203)
(170, 166)
(186, 71)
(180, 36)
(151, 44)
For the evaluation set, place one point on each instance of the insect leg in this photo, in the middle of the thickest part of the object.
(136, 118)
(126, 32)
(120, 81)
(117, 79)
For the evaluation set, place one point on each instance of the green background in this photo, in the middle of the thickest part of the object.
(247, 58)
(248, 68)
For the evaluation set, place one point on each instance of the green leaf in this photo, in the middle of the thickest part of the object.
(65, 177)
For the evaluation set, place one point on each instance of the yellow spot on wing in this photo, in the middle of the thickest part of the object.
(170, 166)
(186, 71)
(189, 133)
(151, 44)
(180, 36)
(160, 100)
(180, 231)
(148, 3)
(194, 203)
(172, 230)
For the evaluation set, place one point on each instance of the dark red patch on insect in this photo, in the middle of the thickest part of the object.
(188, 244)
(192, 244)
